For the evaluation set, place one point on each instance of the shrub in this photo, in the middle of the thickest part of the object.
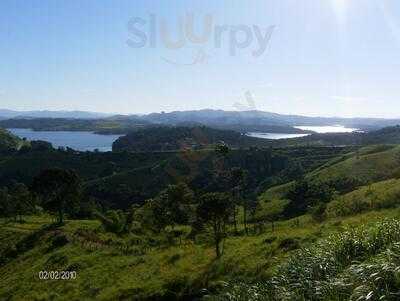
(59, 240)
(289, 244)
(318, 212)
(113, 221)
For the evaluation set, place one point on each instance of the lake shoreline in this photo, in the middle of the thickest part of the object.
(77, 140)
(310, 130)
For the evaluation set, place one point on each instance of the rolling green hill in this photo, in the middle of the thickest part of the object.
(367, 165)
(387, 135)
(181, 138)
(379, 195)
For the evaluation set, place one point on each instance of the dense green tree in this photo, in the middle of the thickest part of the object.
(214, 210)
(249, 204)
(133, 218)
(175, 202)
(238, 179)
(346, 184)
(318, 212)
(22, 200)
(294, 171)
(113, 221)
(16, 201)
(221, 150)
(306, 194)
(152, 216)
(6, 209)
(59, 190)
(41, 146)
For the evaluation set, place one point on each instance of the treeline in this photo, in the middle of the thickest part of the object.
(212, 206)
(55, 191)
(117, 180)
(213, 210)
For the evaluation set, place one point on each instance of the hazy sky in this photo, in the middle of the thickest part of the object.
(324, 57)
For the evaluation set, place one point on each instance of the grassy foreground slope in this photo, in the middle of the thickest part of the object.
(357, 264)
(129, 267)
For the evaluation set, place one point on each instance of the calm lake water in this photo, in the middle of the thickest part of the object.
(317, 129)
(327, 129)
(275, 136)
(81, 141)
(88, 141)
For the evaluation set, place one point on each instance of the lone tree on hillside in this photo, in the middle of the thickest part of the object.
(238, 181)
(152, 216)
(222, 151)
(214, 210)
(16, 201)
(175, 201)
(6, 209)
(22, 200)
(306, 194)
(59, 189)
(171, 207)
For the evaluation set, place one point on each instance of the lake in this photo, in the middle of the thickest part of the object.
(88, 141)
(317, 129)
(275, 136)
(81, 141)
(327, 129)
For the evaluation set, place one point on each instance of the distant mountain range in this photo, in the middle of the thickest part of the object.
(246, 121)
(259, 118)
(7, 114)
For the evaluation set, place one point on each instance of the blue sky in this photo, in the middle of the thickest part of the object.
(324, 57)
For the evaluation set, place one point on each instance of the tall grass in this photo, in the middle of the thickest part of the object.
(341, 267)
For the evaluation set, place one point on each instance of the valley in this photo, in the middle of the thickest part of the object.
(296, 198)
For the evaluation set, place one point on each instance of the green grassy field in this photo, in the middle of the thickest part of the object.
(111, 267)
